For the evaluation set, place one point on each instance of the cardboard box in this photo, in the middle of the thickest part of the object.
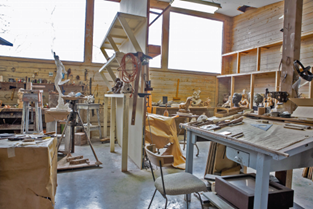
(28, 175)
(80, 138)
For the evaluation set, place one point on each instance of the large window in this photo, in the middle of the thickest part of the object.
(105, 12)
(155, 35)
(38, 27)
(195, 43)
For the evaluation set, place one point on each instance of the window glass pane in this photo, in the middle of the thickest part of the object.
(105, 12)
(38, 27)
(195, 43)
(155, 36)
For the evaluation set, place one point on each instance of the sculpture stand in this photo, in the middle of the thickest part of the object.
(72, 121)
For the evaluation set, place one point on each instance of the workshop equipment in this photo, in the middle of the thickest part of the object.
(305, 73)
(177, 88)
(30, 96)
(281, 96)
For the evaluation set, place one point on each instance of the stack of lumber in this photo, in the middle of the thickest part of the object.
(211, 158)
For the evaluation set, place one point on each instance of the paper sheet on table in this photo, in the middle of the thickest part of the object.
(163, 131)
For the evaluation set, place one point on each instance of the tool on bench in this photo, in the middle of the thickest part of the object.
(264, 127)
(281, 96)
(296, 126)
(238, 135)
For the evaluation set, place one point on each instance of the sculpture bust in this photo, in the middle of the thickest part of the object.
(236, 99)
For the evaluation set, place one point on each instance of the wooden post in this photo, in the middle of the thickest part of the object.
(112, 124)
(105, 116)
(216, 92)
(238, 62)
(125, 133)
(89, 31)
(232, 89)
(291, 47)
(165, 39)
(291, 52)
(251, 90)
(258, 59)
(311, 88)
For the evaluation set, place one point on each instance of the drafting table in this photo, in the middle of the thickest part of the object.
(276, 149)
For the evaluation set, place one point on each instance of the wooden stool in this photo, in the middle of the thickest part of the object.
(28, 97)
(89, 127)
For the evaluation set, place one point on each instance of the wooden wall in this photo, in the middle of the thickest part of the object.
(262, 26)
(28, 67)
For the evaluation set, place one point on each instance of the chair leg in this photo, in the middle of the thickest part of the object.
(152, 198)
(197, 150)
(165, 202)
(200, 200)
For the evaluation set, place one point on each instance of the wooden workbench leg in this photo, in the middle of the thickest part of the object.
(37, 117)
(105, 116)
(191, 139)
(99, 123)
(262, 181)
(125, 134)
(88, 122)
(112, 124)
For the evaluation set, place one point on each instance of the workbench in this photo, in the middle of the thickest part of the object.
(277, 149)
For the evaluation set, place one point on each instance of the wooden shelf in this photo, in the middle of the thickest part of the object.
(276, 43)
(246, 74)
(118, 32)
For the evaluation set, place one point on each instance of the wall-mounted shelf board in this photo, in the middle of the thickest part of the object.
(246, 74)
(276, 43)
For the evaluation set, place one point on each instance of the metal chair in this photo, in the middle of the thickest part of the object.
(172, 184)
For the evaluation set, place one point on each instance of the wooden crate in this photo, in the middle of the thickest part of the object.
(80, 138)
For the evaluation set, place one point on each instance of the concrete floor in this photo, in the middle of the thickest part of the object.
(109, 188)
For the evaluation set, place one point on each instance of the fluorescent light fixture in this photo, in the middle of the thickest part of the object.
(197, 5)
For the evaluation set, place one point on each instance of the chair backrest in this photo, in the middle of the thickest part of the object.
(166, 160)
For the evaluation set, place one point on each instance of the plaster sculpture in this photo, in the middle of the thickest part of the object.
(236, 99)
(196, 101)
(268, 102)
(226, 98)
(58, 82)
(202, 118)
(184, 107)
(118, 86)
(227, 103)
(127, 88)
(207, 102)
(244, 102)
(258, 99)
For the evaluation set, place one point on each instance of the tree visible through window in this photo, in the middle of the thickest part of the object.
(195, 43)
(38, 27)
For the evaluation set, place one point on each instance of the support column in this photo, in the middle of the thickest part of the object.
(165, 39)
(89, 31)
(291, 47)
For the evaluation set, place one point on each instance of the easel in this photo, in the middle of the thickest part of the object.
(72, 121)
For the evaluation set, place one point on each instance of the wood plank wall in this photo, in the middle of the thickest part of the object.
(260, 27)
(27, 67)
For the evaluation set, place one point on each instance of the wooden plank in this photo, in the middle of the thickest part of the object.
(112, 124)
(111, 41)
(110, 71)
(258, 59)
(125, 134)
(89, 31)
(291, 46)
(107, 83)
(165, 39)
(252, 90)
(130, 34)
(105, 116)
(232, 89)
(238, 62)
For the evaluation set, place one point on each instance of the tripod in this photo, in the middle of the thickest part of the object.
(72, 121)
